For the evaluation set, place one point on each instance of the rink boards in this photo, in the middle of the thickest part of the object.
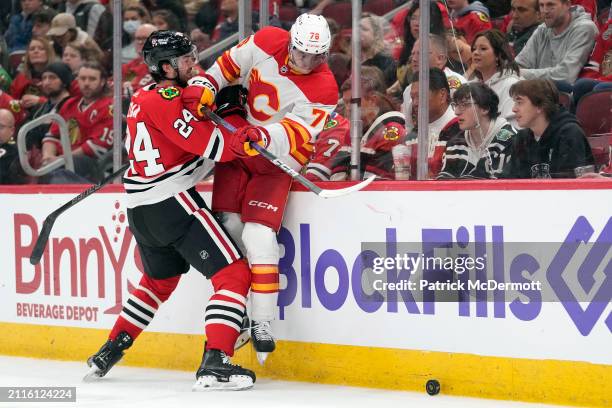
(530, 346)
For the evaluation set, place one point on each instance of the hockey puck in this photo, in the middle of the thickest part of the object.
(432, 387)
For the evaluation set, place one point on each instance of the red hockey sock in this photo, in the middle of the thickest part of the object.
(140, 307)
(226, 307)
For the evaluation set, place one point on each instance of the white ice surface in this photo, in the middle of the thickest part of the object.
(151, 388)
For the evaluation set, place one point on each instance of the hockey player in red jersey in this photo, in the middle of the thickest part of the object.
(291, 92)
(174, 229)
(90, 123)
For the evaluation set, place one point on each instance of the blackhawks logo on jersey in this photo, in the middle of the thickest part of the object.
(15, 106)
(332, 123)
(483, 17)
(169, 93)
(391, 133)
(74, 131)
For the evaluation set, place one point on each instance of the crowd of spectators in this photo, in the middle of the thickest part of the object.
(486, 60)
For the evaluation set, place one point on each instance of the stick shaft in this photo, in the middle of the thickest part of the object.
(41, 242)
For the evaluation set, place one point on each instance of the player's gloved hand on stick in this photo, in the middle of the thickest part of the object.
(200, 92)
(240, 144)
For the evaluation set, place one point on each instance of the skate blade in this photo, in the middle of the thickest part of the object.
(262, 357)
(242, 340)
(235, 383)
(93, 374)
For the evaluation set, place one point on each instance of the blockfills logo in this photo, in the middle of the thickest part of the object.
(581, 232)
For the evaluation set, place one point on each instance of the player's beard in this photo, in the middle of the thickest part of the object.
(181, 80)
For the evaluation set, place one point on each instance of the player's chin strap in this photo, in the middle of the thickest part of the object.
(284, 167)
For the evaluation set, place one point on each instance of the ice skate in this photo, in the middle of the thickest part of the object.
(217, 373)
(245, 335)
(108, 355)
(263, 340)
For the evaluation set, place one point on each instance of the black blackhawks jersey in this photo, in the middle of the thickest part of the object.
(462, 159)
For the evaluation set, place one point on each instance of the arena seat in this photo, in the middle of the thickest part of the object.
(340, 12)
(378, 7)
(593, 112)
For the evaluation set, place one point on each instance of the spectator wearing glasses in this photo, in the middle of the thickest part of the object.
(483, 148)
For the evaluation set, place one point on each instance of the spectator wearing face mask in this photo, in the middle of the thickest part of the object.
(133, 17)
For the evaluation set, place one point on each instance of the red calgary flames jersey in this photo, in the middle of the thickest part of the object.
(167, 146)
(90, 126)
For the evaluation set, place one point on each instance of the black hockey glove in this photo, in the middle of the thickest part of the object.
(230, 101)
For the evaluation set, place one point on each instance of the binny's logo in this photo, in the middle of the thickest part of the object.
(261, 204)
(73, 264)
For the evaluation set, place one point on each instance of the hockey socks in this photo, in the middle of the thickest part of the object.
(142, 304)
(264, 291)
(226, 308)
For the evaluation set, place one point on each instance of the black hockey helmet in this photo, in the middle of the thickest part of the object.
(165, 46)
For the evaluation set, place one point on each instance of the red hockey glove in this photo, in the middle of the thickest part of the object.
(240, 142)
(200, 92)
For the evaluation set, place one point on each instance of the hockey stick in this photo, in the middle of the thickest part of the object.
(284, 167)
(41, 242)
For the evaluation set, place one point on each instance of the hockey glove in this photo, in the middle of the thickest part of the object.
(231, 100)
(240, 142)
(200, 92)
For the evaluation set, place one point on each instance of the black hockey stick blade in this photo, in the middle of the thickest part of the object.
(286, 168)
(43, 237)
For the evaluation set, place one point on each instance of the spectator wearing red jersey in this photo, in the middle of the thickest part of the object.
(136, 73)
(597, 74)
(26, 85)
(13, 105)
(470, 18)
(75, 55)
(410, 35)
(384, 128)
(90, 124)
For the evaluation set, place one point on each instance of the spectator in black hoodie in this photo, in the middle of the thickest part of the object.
(551, 136)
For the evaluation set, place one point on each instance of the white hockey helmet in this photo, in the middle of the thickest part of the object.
(310, 34)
